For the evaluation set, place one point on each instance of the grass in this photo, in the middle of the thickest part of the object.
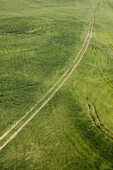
(39, 41)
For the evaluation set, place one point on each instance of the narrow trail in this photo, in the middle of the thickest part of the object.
(85, 45)
(15, 134)
(6, 133)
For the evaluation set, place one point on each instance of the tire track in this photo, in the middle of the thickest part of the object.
(99, 125)
(16, 133)
(6, 133)
(92, 118)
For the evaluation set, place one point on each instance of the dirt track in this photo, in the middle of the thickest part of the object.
(87, 42)
(5, 134)
(14, 135)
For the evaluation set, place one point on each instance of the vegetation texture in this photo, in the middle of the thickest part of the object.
(39, 40)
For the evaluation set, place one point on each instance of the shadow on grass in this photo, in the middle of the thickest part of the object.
(94, 138)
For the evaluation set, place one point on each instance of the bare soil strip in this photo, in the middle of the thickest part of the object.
(15, 134)
(5, 134)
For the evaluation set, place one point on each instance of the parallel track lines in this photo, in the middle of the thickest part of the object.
(97, 122)
(85, 45)
(15, 134)
(5, 134)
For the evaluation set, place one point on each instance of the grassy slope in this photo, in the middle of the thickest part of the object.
(39, 41)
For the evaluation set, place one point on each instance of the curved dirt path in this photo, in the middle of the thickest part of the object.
(15, 134)
(6, 133)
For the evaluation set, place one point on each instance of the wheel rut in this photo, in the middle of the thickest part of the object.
(70, 70)
(98, 123)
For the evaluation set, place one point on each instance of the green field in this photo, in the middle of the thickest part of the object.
(39, 39)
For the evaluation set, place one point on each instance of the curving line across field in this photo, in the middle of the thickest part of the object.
(14, 135)
(6, 133)
(85, 45)
(97, 122)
